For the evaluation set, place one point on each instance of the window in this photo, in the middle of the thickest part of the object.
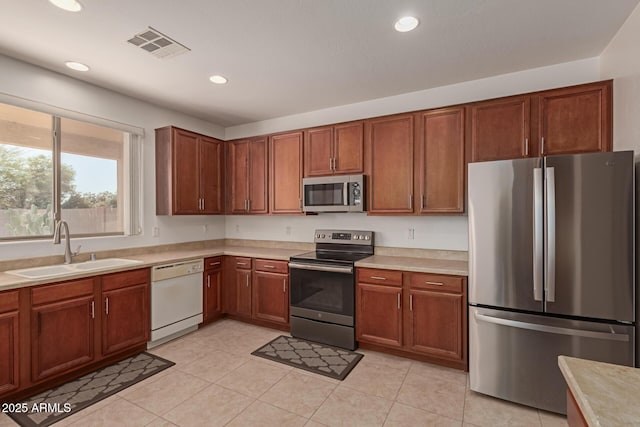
(55, 168)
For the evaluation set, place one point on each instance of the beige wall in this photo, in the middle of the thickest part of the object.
(621, 61)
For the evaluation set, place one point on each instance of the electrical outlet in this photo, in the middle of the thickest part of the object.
(411, 233)
(237, 228)
(205, 228)
(155, 231)
(287, 230)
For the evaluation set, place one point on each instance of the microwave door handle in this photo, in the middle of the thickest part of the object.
(345, 193)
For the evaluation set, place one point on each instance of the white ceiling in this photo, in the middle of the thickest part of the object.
(285, 57)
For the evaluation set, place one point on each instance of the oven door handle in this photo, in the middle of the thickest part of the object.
(346, 270)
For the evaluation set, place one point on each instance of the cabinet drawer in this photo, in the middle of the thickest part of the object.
(436, 282)
(242, 263)
(213, 263)
(124, 279)
(380, 277)
(62, 291)
(272, 266)
(8, 301)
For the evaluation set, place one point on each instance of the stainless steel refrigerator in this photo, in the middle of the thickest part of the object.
(551, 271)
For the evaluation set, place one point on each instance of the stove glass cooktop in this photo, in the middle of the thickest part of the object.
(331, 256)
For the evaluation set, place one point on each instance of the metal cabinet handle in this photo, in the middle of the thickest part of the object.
(542, 146)
(334, 164)
(203, 203)
(410, 302)
(378, 277)
(214, 263)
(241, 263)
(249, 204)
(435, 283)
(526, 147)
(300, 203)
(208, 281)
(268, 266)
(247, 280)
(330, 164)
(284, 285)
(93, 309)
(106, 308)
(398, 300)
(422, 201)
(410, 201)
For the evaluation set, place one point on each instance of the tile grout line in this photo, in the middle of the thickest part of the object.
(394, 400)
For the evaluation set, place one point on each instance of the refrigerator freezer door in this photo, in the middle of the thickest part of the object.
(501, 234)
(514, 356)
(591, 233)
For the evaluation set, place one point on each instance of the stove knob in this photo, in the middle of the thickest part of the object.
(317, 235)
(366, 238)
(356, 237)
(322, 236)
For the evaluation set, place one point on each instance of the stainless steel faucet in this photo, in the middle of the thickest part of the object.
(68, 255)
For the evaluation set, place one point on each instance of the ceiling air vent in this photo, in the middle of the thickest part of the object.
(157, 44)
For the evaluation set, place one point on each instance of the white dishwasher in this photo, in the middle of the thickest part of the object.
(176, 300)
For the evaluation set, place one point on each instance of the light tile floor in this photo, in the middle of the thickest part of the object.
(217, 382)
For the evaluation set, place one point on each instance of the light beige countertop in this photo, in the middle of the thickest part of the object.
(608, 395)
(10, 281)
(419, 265)
(418, 260)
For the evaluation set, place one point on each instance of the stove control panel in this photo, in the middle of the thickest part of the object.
(344, 236)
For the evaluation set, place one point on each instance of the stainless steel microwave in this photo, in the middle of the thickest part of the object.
(333, 194)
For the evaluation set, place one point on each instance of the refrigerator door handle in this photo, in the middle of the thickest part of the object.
(552, 329)
(537, 234)
(550, 279)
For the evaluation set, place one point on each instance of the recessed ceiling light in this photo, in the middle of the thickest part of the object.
(406, 23)
(78, 66)
(218, 79)
(68, 5)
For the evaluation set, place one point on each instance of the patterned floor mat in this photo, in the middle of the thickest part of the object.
(319, 358)
(55, 404)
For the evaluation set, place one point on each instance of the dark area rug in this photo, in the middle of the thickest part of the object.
(322, 359)
(55, 404)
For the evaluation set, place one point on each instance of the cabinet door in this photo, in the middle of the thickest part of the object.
(318, 151)
(186, 194)
(9, 352)
(285, 158)
(500, 129)
(243, 292)
(379, 314)
(212, 294)
(434, 324)
(211, 176)
(62, 336)
(441, 162)
(271, 297)
(238, 174)
(125, 321)
(348, 148)
(576, 119)
(390, 164)
(258, 176)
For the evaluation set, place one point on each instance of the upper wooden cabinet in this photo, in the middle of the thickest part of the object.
(247, 175)
(389, 146)
(189, 173)
(576, 119)
(333, 150)
(500, 129)
(440, 161)
(285, 168)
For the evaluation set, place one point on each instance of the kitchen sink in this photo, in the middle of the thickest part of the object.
(104, 263)
(68, 269)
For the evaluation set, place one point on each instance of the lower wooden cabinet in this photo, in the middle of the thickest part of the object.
(257, 289)
(415, 313)
(125, 315)
(271, 291)
(62, 328)
(9, 342)
(212, 289)
(379, 314)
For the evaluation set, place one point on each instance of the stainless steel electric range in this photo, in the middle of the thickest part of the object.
(323, 287)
